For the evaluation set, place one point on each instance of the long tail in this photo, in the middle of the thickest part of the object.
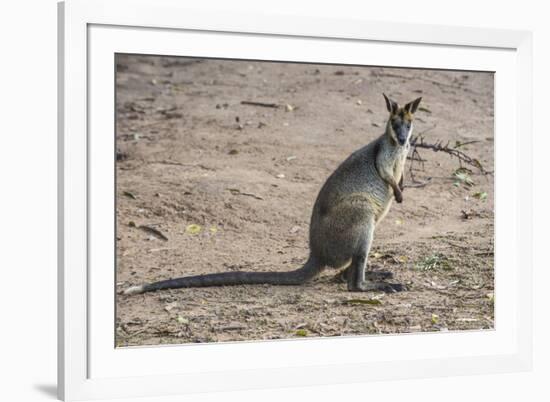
(301, 275)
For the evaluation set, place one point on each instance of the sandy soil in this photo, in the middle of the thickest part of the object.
(230, 186)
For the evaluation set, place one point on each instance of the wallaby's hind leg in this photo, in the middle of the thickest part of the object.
(357, 279)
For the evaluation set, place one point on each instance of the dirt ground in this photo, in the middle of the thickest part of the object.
(223, 186)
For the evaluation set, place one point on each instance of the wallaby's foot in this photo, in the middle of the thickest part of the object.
(368, 286)
(375, 276)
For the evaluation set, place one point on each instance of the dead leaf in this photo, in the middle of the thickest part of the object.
(193, 229)
(373, 302)
(155, 232)
(435, 318)
(480, 195)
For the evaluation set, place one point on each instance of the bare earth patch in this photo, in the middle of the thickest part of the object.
(206, 184)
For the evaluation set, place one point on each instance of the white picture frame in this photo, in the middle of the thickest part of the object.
(91, 32)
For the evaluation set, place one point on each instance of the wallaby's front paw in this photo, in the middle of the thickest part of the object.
(399, 197)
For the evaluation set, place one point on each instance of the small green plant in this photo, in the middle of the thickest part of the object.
(434, 262)
(462, 176)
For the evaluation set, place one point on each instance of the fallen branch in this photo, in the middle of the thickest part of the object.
(418, 142)
(262, 104)
(236, 191)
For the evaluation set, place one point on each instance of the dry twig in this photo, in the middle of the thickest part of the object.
(262, 104)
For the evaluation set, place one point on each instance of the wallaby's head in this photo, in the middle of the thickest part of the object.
(400, 123)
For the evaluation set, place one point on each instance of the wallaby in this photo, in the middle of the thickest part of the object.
(353, 200)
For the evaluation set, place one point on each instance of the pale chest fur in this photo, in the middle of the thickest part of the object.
(394, 158)
(400, 159)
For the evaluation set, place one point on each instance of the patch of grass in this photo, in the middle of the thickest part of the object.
(434, 262)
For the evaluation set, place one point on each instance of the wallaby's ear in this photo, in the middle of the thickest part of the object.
(391, 105)
(412, 106)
